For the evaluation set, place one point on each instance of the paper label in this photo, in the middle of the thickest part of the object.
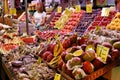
(57, 76)
(59, 9)
(102, 52)
(105, 11)
(89, 8)
(78, 8)
(13, 11)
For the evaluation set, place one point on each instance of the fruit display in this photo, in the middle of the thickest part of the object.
(73, 20)
(28, 67)
(114, 25)
(63, 19)
(55, 19)
(101, 21)
(85, 22)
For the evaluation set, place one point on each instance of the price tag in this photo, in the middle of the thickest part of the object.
(13, 11)
(102, 52)
(78, 8)
(57, 76)
(105, 11)
(59, 9)
(39, 60)
(89, 8)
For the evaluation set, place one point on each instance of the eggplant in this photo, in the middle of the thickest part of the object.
(17, 63)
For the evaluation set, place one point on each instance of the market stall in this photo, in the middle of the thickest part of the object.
(76, 44)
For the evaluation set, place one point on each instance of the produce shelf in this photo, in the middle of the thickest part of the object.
(95, 74)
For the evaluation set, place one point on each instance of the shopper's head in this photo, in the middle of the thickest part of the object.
(39, 7)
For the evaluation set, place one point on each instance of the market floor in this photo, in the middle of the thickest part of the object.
(116, 73)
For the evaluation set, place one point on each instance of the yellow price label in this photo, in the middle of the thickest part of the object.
(78, 8)
(57, 76)
(13, 11)
(105, 12)
(102, 52)
(89, 8)
(39, 60)
(59, 9)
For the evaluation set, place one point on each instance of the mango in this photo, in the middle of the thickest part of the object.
(116, 45)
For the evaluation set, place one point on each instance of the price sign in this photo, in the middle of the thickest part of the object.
(59, 9)
(89, 8)
(102, 52)
(105, 12)
(39, 60)
(13, 11)
(78, 8)
(57, 76)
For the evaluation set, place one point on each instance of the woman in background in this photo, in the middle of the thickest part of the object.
(39, 17)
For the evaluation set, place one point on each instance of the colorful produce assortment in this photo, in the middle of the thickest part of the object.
(54, 19)
(79, 57)
(63, 19)
(40, 56)
(86, 21)
(102, 21)
(28, 67)
(73, 20)
(115, 25)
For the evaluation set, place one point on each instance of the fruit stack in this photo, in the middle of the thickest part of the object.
(85, 22)
(63, 19)
(102, 21)
(73, 20)
(54, 19)
(115, 23)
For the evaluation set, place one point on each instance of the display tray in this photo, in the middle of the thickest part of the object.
(95, 74)
(8, 72)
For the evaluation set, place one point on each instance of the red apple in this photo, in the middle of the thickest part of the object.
(98, 63)
(115, 54)
(88, 67)
(46, 54)
(64, 67)
(60, 64)
(63, 55)
(50, 57)
(66, 43)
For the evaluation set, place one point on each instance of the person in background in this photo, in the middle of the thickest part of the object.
(39, 17)
(117, 2)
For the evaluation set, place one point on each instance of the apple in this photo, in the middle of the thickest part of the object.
(109, 59)
(63, 54)
(68, 56)
(107, 44)
(49, 57)
(78, 73)
(46, 54)
(66, 43)
(83, 46)
(73, 38)
(89, 55)
(88, 67)
(115, 54)
(60, 64)
(98, 63)
(64, 67)
(73, 62)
